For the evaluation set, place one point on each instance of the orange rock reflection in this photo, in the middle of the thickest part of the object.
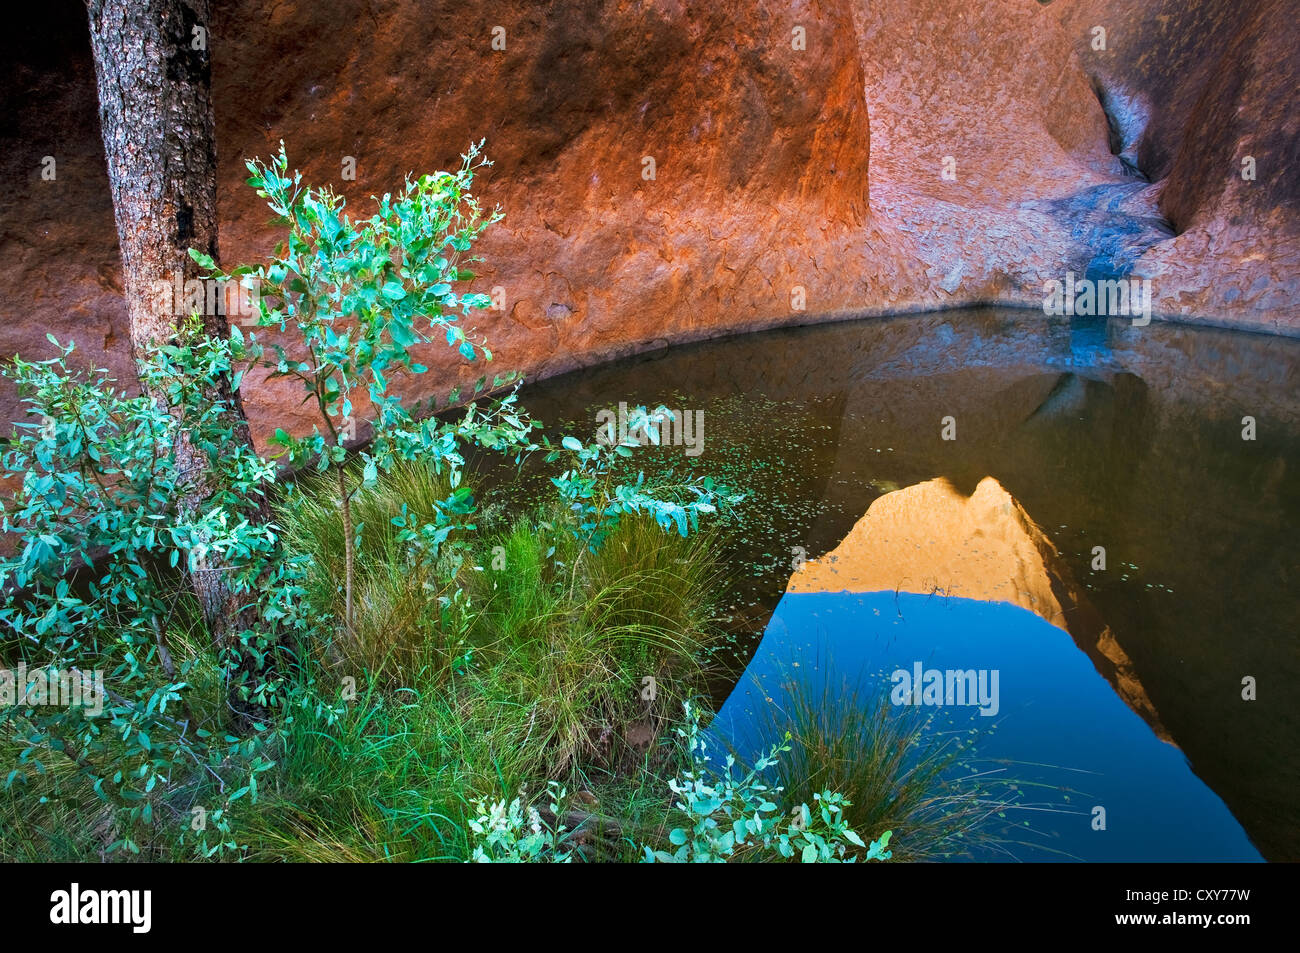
(929, 538)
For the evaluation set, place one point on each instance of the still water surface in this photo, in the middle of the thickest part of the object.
(1119, 687)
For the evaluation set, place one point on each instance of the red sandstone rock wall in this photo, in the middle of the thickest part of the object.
(59, 267)
(775, 167)
(1215, 81)
(760, 151)
(996, 88)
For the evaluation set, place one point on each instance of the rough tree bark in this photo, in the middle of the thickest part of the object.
(153, 73)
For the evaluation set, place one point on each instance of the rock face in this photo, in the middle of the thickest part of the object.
(672, 170)
(666, 170)
(59, 264)
(981, 117)
(1203, 99)
(931, 539)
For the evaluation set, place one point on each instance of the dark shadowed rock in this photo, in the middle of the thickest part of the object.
(1205, 91)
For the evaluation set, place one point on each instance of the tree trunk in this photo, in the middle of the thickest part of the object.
(153, 73)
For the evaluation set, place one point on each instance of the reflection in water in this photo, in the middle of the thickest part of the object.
(1109, 435)
(929, 539)
(1059, 733)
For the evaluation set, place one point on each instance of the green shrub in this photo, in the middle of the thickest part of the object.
(399, 622)
(737, 817)
(511, 834)
(397, 679)
(103, 516)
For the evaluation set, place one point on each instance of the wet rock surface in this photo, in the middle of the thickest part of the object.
(812, 160)
(1205, 92)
